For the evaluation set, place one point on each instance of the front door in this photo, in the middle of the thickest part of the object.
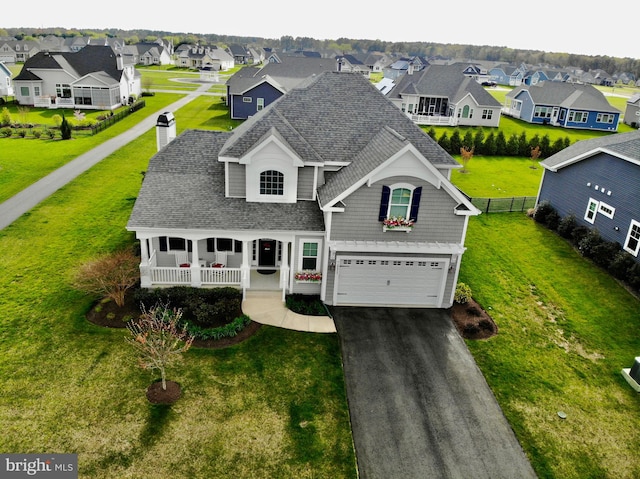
(266, 252)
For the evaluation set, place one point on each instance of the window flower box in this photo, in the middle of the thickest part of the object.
(308, 277)
(397, 223)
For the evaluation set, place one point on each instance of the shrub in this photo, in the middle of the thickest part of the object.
(22, 133)
(566, 226)
(305, 304)
(37, 134)
(604, 253)
(542, 211)
(65, 129)
(462, 294)
(6, 132)
(5, 117)
(589, 242)
(57, 120)
(111, 276)
(578, 233)
(621, 264)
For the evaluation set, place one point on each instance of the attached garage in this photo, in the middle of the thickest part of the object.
(397, 281)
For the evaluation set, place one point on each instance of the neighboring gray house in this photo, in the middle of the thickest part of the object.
(569, 105)
(443, 95)
(95, 78)
(251, 89)
(598, 181)
(6, 87)
(150, 53)
(16, 51)
(331, 190)
(198, 56)
(632, 111)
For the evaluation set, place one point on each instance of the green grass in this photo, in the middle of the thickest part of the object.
(566, 329)
(25, 161)
(498, 177)
(273, 406)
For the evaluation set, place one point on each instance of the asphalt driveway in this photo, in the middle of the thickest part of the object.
(419, 405)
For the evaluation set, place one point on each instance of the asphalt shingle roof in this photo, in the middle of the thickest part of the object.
(334, 117)
(567, 95)
(184, 188)
(625, 144)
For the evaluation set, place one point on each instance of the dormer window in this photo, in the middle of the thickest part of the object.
(271, 183)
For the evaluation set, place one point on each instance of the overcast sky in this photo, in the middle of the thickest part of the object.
(568, 26)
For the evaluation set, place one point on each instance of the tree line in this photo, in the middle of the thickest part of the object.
(428, 50)
(497, 144)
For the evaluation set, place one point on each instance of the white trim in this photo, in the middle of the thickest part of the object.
(606, 210)
(300, 253)
(595, 204)
(633, 224)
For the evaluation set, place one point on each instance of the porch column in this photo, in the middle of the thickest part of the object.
(145, 267)
(284, 268)
(196, 281)
(245, 267)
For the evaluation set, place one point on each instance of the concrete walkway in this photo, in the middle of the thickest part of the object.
(17, 205)
(267, 307)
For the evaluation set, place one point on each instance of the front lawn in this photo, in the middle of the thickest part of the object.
(25, 161)
(274, 406)
(565, 331)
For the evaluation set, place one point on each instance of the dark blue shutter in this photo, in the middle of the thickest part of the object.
(415, 203)
(384, 203)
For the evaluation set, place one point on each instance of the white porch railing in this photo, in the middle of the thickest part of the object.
(219, 276)
(52, 102)
(170, 275)
(433, 120)
(183, 276)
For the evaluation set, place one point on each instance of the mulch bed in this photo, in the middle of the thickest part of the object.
(473, 322)
(157, 395)
(110, 315)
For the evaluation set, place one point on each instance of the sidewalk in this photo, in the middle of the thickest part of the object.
(17, 205)
(267, 307)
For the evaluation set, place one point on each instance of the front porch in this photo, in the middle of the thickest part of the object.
(256, 264)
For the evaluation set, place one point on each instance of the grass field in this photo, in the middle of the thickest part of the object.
(565, 331)
(273, 406)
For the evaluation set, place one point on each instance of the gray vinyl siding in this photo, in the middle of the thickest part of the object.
(436, 219)
(294, 261)
(305, 183)
(568, 192)
(237, 180)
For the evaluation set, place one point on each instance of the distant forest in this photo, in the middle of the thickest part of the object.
(611, 65)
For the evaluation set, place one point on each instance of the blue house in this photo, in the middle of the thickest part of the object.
(568, 105)
(598, 181)
(251, 89)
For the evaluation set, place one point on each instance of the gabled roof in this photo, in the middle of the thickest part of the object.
(88, 60)
(337, 114)
(566, 95)
(622, 145)
(185, 179)
(286, 75)
(446, 81)
(635, 99)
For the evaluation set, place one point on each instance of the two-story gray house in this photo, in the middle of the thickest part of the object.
(330, 190)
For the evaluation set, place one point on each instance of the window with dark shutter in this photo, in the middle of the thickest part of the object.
(384, 203)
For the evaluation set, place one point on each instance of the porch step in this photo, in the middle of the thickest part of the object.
(267, 307)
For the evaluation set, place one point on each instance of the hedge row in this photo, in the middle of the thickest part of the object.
(496, 144)
(609, 255)
(207, 313)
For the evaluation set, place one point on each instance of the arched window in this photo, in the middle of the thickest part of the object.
(271, 183)
(400, 200)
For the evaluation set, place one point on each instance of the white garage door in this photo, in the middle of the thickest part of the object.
(390, 281)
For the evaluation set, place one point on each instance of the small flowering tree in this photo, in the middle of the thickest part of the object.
(159, 339)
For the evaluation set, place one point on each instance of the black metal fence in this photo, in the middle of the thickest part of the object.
(504, 205)
(116, 117)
